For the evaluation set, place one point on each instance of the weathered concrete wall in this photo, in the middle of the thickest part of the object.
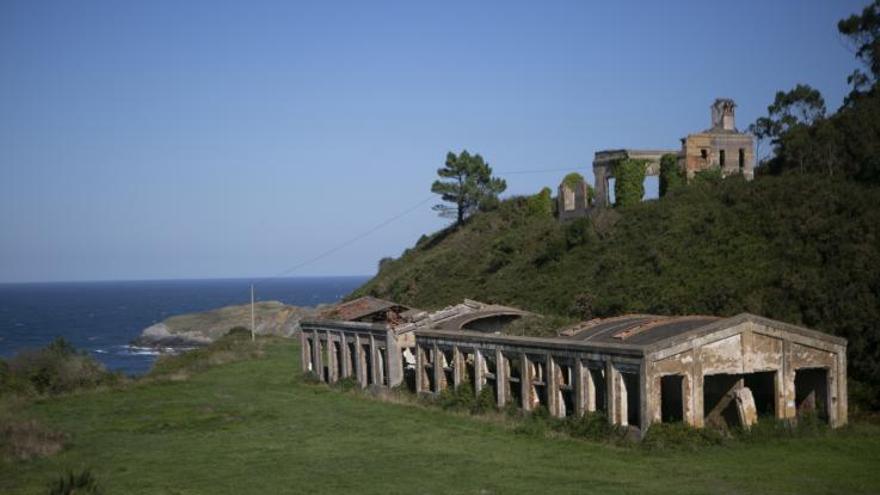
(743, 350)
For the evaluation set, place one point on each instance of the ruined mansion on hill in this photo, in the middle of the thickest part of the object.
(721, 147)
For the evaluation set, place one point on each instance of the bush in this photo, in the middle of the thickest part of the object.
(81, 483)
(55, 369)
(484, 402)
(541, 203)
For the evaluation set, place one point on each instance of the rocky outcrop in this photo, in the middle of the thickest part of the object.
(196, 329)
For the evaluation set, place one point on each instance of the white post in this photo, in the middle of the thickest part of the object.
(253, 319)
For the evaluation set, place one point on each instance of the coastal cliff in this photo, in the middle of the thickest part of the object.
(196, 329)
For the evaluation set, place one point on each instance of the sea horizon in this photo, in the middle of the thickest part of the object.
(103, 317)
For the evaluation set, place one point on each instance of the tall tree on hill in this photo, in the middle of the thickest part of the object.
(862, 32)
(466, 182)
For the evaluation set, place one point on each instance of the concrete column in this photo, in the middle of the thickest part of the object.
(502, 378)
(359, 362)
(551, 386)
(305, 354)
(697, 389)
(393, 360)
(457, 367)
(438, 370)
(589, 391)
(345, 369)
(788, 374)
(525, 382)
(374, 372)
(687, 389)
(479, 377)
(317, 360)
(332, 365)
(579, 385)
(600, 173)
(420, 368)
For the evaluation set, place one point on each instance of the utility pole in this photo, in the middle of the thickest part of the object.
(253, 319)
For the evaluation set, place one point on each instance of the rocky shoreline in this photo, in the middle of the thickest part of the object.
(200, 329)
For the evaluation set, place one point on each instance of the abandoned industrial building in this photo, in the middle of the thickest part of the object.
(720, 147)
(636, 369)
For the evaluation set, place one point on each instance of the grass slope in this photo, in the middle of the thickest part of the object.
(256, 427)
(802, 249)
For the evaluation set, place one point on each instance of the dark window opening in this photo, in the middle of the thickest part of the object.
(601, 391)
(763, 387)
(742, 158)
(811, 392)
(514, 380)
(671, 399)
(721, 157)
(633, 399)
(704, 153)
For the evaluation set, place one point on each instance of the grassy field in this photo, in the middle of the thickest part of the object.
(256, 427)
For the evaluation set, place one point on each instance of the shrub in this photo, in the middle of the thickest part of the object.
(82, 483)
(55, 369)
(484, 402)
(541, 203)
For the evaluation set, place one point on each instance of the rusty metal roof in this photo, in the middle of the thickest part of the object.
(635, 329)
(360, 308)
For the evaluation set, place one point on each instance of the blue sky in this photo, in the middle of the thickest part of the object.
(151, 140)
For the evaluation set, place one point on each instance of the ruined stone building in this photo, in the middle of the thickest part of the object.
(721, 147)
(636, 369)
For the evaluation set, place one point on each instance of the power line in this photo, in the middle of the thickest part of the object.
(517, 172)
(348, 242)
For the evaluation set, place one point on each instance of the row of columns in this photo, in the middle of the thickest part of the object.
(538, 371)
(366, 371)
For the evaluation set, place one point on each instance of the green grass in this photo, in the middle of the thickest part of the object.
(256, 427)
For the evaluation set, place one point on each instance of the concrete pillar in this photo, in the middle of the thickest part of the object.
(420, 368)
(579, 388)
(373, 371)
(502, 378)
(305, 354)
(439, 377)
(589, 391)
(600, 173)
(345, 369)
(611, 391)
(622, 399)
(360, 364)
(525, 382)
(317, 360)
(332, 365)
(479, 377)
(458, 367)
(697, 389)
(788, 390)
(551, 386)
(393, 360)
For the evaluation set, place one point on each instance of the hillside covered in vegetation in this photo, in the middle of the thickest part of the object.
(799, 248)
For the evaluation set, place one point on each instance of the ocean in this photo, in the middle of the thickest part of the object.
(103, 317)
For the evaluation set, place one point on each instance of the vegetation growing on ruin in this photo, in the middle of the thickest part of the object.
(802, 249)
(629, 181)
(671, 175)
